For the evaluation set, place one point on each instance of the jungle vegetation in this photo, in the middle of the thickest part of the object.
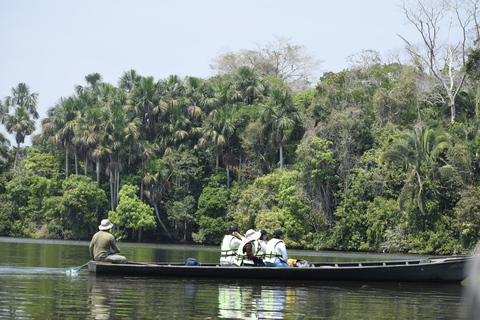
(382, 156)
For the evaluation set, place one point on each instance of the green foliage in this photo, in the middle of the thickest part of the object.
(467, 213)
(441, 239)
(317, 167)
(182, 213)
(275, 201)
(6, 219)
(382, 219)
(131, 212)
(368, 165)
(212, 206)
(76, 212)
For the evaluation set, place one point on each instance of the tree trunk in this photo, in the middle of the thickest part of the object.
(85, 164)
(185, 231)
(140, 234)
(112, 200)
(16, 156)
(281, 157)
(66, 163)
(98, 172)
(161, 223)
(228, 176)
(76, 161)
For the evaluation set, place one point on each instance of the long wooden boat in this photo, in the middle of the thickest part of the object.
(434, 269)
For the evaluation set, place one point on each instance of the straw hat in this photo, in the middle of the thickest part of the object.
(105, 225)
(252, 235)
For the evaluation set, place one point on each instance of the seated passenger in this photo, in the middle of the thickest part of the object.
(276, 253)
(101, 243)
(247, 251)
(262, 242)
(231, 242)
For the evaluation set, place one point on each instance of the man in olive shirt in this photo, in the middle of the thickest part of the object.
(101, 243)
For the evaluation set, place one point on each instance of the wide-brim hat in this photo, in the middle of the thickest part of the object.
(105, 225)
(252, 235)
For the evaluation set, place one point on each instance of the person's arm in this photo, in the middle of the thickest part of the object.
(262, 246)
(92, 246)
(282, 249)
(235, 243)
(114, 245)
(90, 249)
(238, 235)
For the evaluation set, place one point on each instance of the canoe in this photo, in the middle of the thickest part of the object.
(434, 269)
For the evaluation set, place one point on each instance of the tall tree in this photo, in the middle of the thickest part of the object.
(20, 124)
(419, 153)
(25, 105)
(441, 55)
(129, 80)
(279, 116)
(278, 58)
(146, 104)
(89, 132)
(217, 130)
(22, 98)
(59, 126)
(157, 182)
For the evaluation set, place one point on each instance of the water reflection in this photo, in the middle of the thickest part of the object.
(33, 286)
(100, 297)
(255, 301)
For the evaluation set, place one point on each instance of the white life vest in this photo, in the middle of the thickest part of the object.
(242, 256)
(227, 253)
(271, 253)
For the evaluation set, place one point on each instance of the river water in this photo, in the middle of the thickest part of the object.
(34, 286)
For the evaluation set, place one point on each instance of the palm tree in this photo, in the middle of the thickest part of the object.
(20, 124)
(218, 129)
(147, 151)
(419, 149)
(129, 80)
(145, 103)
(89, 132)
(22, 98)
(278, 116)
(93, 81)
(25, 105)
(59, 126)
(4, 148)
(247, 86)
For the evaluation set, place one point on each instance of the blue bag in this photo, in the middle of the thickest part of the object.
(192, 262)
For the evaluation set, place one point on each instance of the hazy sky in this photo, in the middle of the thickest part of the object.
(52, 45)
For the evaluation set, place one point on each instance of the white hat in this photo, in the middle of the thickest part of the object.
(105, 225)
(252, 235)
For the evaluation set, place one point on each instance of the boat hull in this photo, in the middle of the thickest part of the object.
(427, 270)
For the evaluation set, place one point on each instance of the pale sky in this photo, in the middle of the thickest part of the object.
(51, 45)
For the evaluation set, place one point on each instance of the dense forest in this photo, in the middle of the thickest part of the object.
(383, 156)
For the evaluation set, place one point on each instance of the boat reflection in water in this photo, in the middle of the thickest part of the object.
(103, 294)
(255, 302)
